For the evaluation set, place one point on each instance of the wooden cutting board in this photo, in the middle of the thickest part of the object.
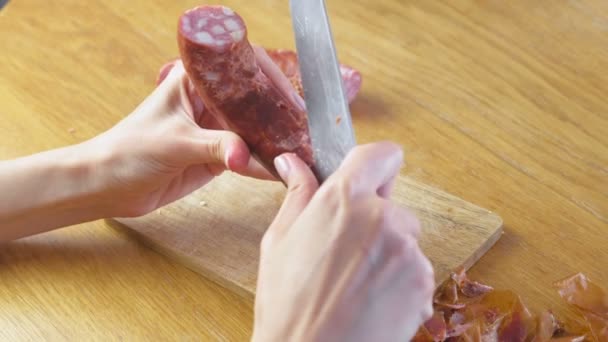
(216, 230)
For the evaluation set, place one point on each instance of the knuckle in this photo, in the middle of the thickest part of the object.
(335, 192)
(402, 221)
(267, 242)
(393, 218)
(303, 188)
(409, 222)
(405, 246)
(215, 148)
(378, 217)
(342, 186)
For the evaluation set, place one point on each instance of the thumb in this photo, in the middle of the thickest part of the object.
(301, 186)
(224, 149)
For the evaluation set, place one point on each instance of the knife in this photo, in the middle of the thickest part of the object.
(329, 120)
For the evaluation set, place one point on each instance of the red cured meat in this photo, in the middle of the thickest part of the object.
(287, 61)
(447, 296)
(468, 287)
(225, 72)
(471, 311)
(546, 326)
(590, 299)
(436, 326)
(578, 290)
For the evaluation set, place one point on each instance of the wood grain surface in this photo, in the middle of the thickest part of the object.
(502, 103)
(216, 231)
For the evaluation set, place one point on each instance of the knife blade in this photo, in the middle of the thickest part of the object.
(329, 119)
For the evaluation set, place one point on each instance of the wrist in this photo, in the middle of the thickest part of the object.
(82, 173)
(51, 189)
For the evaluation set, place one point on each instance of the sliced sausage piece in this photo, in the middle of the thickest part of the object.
(222, 65)
(287, 60)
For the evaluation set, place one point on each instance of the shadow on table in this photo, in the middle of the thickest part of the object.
(57, 255)
(75, 255)
(369, 107)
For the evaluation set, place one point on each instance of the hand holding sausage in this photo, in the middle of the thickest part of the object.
(342, 263)
(161, 152)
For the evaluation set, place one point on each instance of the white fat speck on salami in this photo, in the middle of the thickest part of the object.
(204, 37)
(212, 76)
(237, 35)
(227, 11)
(186, 25)
(232, 25)
(201, 23)
(217, 27)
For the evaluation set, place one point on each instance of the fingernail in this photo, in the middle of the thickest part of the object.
(227, 157)
(282, 166)
(299, 101)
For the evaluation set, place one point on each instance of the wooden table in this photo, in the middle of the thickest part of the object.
(504, 103)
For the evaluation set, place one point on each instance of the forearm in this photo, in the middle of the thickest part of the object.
(49, 190)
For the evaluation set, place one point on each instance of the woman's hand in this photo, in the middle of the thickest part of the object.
(161, 152)
(342, 263)
(166, 148)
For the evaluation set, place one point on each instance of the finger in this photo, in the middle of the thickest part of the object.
(386, 190)
(199, 114)
(370, 168)
(256, 170)
(164, 71)
(417, 274)
(173, 75)
(301, 186)
(427, 276)
(203, 146)
(192, 102)
(401, 220)
(168, 96)
(278, 78)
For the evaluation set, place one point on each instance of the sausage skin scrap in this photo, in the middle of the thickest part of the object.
(222, 65)
(466, 310)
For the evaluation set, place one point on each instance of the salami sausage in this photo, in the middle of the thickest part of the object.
(287, 61)
(222, 65)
